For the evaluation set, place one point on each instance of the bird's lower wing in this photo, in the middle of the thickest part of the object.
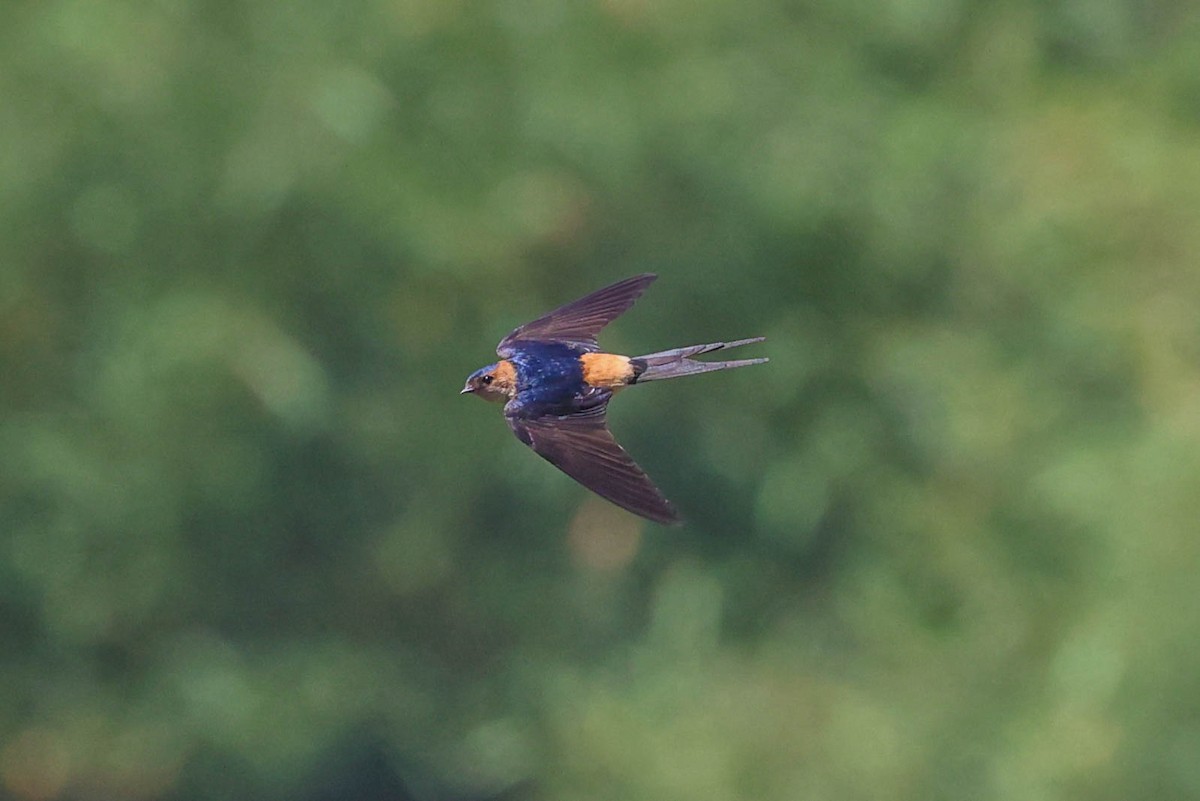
(581, 446)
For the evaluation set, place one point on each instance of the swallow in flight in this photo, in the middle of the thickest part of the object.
(555, 383)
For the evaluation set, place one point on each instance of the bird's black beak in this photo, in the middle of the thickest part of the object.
(467, 390)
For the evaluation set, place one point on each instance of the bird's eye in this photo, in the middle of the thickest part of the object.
(487, 379)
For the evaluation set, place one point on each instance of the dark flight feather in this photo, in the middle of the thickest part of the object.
(578, 322)
(581, 446)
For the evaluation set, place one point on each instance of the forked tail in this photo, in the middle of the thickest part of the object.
(679, 362)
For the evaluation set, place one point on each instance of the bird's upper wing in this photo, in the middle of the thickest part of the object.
(581, 446)
(578, 322)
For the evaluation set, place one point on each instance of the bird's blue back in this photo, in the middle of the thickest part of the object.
(549, 376)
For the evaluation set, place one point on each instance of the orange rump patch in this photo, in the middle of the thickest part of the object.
(606, 369)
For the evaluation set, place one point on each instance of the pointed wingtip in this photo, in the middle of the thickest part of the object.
(668, 517)
(641, 282)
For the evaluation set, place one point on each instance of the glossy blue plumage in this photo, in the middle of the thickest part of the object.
(549, 377)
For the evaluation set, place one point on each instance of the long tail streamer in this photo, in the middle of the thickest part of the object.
(679, 362)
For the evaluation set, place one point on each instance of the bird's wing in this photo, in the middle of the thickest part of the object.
(581, 446)
(578, 322)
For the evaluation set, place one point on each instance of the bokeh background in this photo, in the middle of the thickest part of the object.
(945, 545)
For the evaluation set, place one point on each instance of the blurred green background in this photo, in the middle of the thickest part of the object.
(254, 545)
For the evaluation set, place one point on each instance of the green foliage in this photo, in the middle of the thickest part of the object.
(943, 546)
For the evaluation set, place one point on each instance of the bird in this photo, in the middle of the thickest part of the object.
(556, 382)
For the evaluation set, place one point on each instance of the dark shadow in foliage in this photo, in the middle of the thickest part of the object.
(363, 770)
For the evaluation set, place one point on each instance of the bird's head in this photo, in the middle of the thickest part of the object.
(496, 382)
